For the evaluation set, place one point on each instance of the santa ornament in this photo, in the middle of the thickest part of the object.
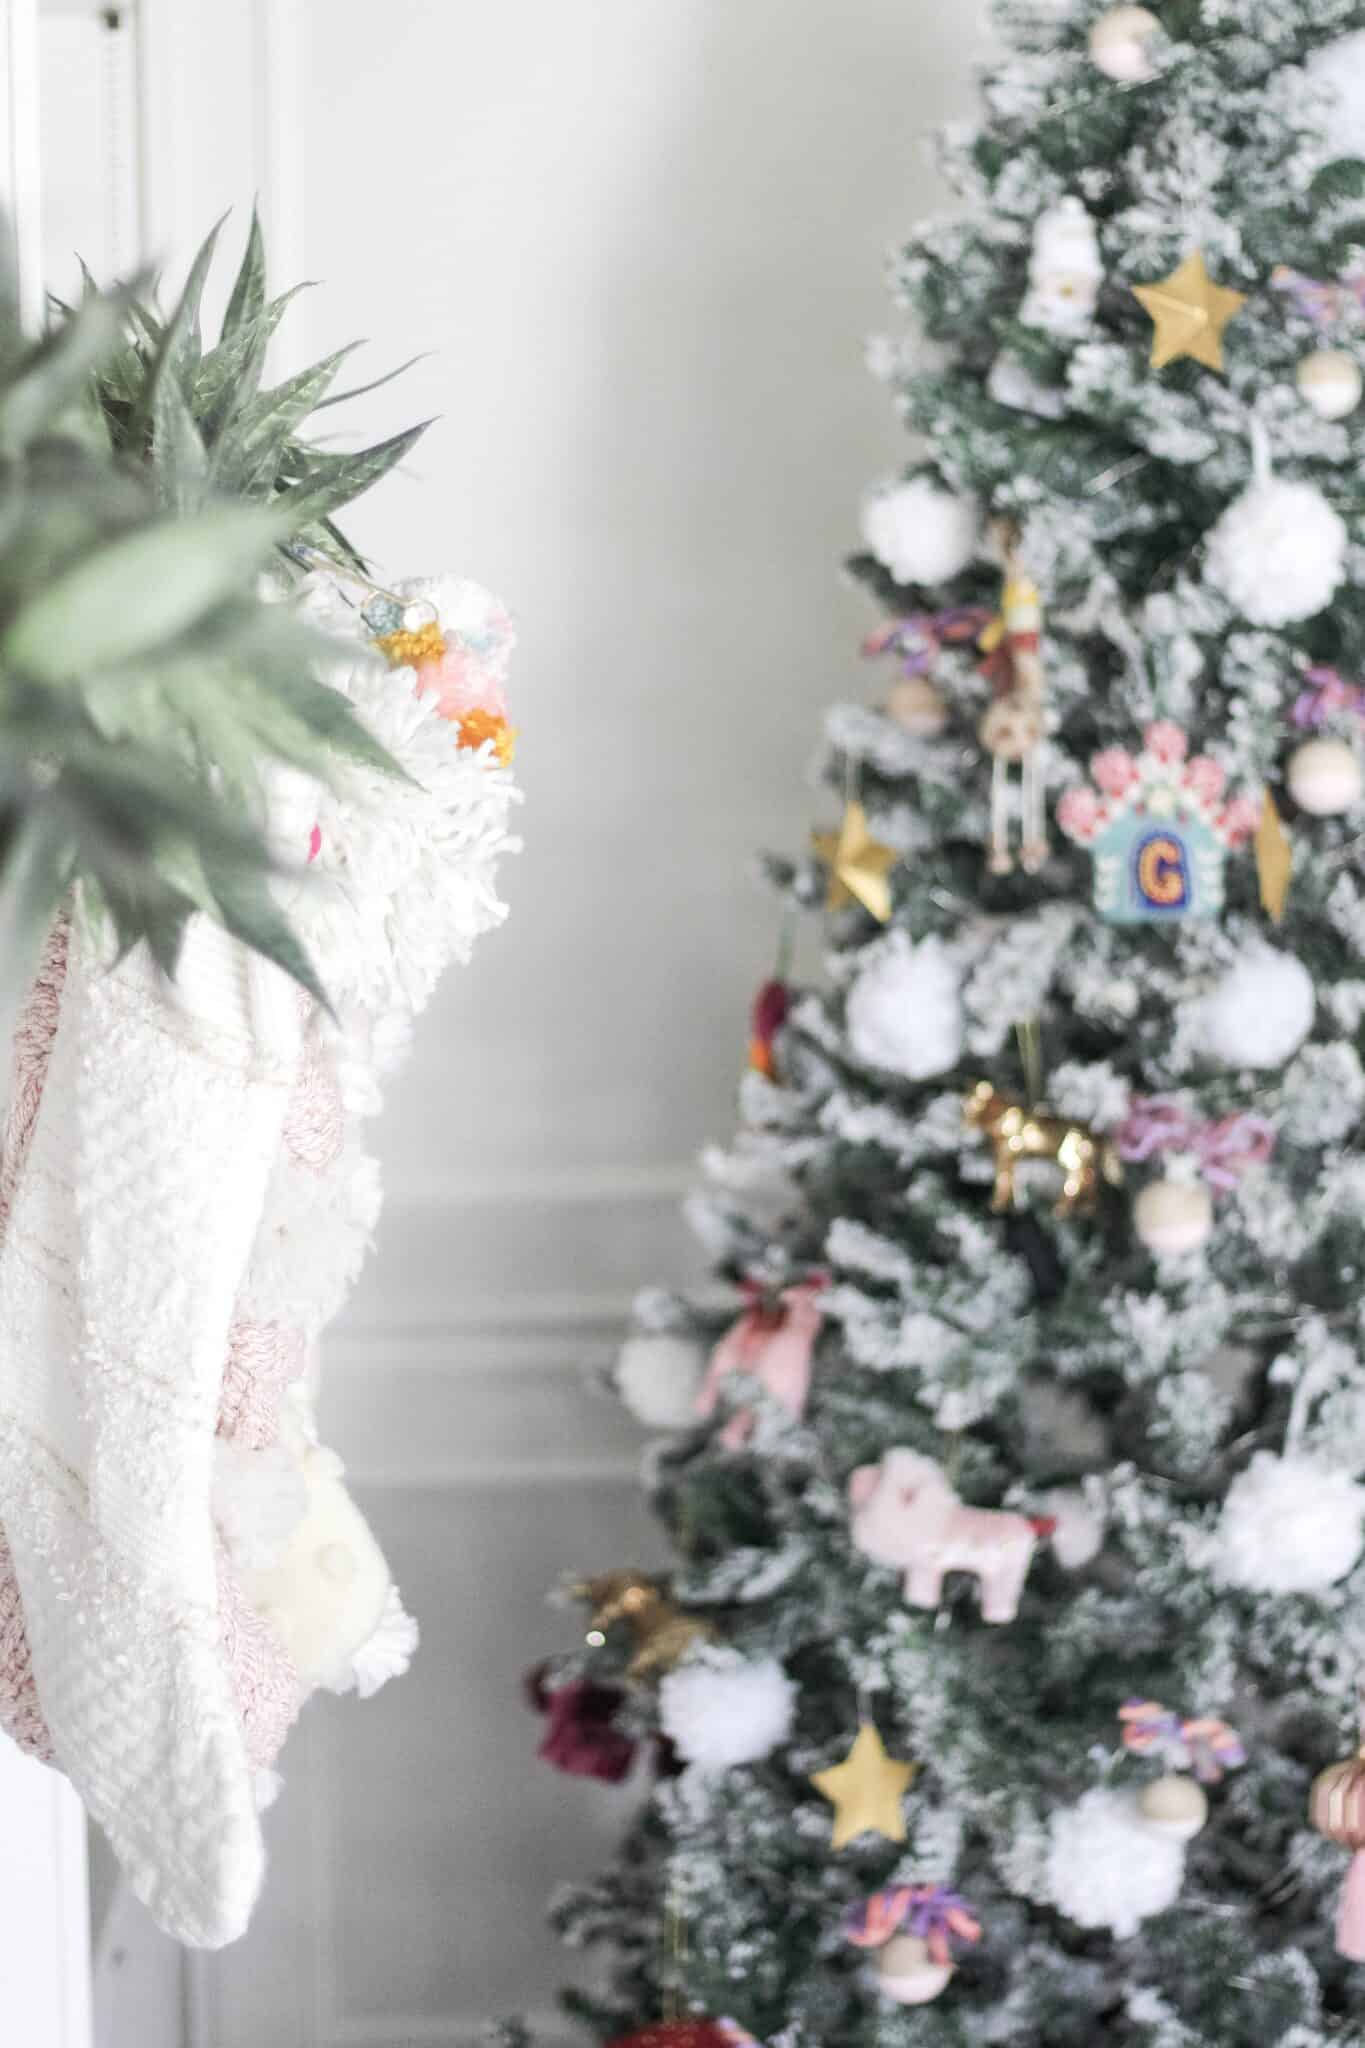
(1065, 271)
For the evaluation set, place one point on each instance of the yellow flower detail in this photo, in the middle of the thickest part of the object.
(408, 650)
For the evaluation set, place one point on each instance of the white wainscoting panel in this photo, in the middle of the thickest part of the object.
(418, 1838)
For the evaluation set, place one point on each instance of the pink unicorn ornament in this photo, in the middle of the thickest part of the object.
(772, 1342)
(906, 1514)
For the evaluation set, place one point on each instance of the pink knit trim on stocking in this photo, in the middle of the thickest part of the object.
(315, 1123)
(265, 1684)
(21, 1717)
(262, 1360)
(33, 1039)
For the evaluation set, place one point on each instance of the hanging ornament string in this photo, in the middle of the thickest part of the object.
(120, 194)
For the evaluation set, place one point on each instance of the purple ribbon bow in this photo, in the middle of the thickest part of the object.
(919, 638)
(1206, 1746)
(1224, 1149)
(1328, 694)
(935, 1914)
(1314, 298)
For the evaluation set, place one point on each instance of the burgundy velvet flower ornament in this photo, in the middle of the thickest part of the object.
(581, 1733)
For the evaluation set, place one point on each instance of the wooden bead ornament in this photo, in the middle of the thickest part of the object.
(1173, 1216)
(917, 707)
(1330, 381)
(1119, 45)
(1324, 777)
(1174, 1806)
(1337, 1810)
(907, 1973)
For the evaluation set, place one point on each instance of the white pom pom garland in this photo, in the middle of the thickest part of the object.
(1289, 1526)
(904, 1011)
(1107, 1868)
(1261, 1011)
(658, 1375)
(920, 532)
(719, 1712)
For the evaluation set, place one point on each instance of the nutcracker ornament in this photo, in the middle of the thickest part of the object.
(1013, 727)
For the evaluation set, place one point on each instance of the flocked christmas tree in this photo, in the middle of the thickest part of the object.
(1019, 1602)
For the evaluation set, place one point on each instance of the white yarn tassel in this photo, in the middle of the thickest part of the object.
(389, 1651)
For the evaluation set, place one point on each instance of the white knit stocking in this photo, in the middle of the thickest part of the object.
(128, 1238)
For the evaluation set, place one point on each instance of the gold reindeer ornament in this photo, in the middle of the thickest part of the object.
(663, 1633)
(1019, 1133)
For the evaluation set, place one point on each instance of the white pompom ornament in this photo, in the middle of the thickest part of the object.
(1289, 1525)
(1324, 778)
(1279, 551)
(1340, 67)
(1330, 381)
(658, 1375)
(904, 1011)
(721, 1713)
(1175, 1806)
(1120, 45)
(1107, 1868)
(1078, 1536)
(907, 1973)
(1261, 1011)
(1172, 1217)
(920, 532)
(917, 707)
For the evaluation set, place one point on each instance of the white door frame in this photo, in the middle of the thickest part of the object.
(44, 1893)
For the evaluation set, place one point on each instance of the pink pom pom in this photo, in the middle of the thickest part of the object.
(1080, 813)
(1114, 770)
(1165, 742)
(1205, 778)
(461, 681)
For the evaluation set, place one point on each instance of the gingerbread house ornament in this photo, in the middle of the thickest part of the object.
(1159, 826)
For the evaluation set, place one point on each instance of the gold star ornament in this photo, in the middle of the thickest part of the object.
(858, 865)
(866, 1790)
(1190, 312)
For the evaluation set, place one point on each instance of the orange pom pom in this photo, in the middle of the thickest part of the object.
(478, 726)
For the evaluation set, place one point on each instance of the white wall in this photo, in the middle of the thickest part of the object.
(644, 240)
